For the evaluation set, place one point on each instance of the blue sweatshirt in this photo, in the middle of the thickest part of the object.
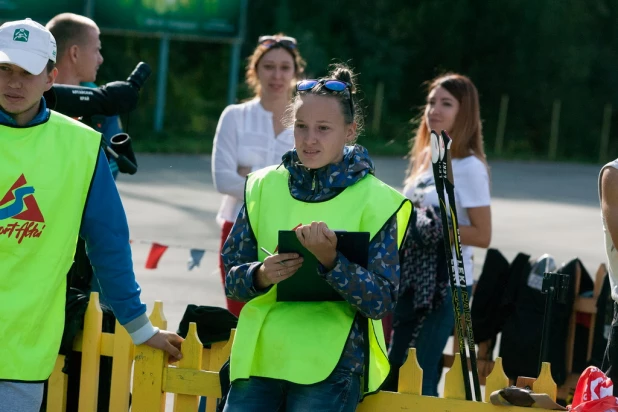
(105, 229)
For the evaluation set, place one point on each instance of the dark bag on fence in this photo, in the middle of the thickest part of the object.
(495, 294)
(488, 296)
(523, 330)
(213, 324)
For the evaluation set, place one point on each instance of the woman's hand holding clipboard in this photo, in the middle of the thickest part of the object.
(309, 284)
(318, 239)
(277, 268)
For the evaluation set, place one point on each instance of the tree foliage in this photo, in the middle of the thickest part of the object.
(534, 51)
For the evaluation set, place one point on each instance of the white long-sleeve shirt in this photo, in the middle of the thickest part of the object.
(245, 137)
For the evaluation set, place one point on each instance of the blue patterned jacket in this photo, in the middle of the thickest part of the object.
(372, 292)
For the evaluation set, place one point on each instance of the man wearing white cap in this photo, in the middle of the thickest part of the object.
(27, 49)
(55, 185)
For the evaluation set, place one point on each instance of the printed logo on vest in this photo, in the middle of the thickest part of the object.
(20, 204)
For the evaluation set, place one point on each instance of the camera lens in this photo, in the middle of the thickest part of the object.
(140, 75)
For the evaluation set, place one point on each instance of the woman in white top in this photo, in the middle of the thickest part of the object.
(250, 135)
(452, 105)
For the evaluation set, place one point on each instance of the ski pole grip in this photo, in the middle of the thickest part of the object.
(434, 143)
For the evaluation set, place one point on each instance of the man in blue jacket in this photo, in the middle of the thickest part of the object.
(29, 136)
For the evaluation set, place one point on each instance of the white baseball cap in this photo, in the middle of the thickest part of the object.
(27, 44)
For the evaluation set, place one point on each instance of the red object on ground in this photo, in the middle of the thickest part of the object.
(594, 393)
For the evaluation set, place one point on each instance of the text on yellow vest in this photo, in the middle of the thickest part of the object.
(45, 175)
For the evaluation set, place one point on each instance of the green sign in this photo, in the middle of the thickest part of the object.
(38, 10)
(203, 18)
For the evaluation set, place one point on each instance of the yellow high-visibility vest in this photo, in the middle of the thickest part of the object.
(45, 175)
(302, 342)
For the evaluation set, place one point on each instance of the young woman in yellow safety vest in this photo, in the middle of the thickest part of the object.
(326, 355)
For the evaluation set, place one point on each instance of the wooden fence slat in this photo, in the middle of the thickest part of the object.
(192, 382)
(57, 387)
(148, 371)
(453, 381)
(496, 380)
(91, 355)
(191, 359)
(206, 352)
(107, 343)
(411, 375)
(221, 352)
(218, 356)
(157, 317)
(545, 383)
(121, 370)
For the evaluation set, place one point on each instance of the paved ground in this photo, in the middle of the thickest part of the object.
(536, 208)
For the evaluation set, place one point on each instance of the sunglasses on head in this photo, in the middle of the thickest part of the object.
(334, 86)
(270, 41)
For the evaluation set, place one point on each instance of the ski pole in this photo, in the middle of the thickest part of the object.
(450, 191)
(437, 156)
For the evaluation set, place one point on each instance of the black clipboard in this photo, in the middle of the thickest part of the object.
(306, 285)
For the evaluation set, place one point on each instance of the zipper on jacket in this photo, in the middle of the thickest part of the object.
(314, 181)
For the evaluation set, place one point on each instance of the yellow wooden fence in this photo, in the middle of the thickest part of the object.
(197, 375)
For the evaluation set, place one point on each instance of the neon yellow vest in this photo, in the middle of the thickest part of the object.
(45, 174)
(302, 342)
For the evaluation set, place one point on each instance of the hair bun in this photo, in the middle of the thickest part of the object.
(342, 72)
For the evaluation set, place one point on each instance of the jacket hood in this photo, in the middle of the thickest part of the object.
(316, 183)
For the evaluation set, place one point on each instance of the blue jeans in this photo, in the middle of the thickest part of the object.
(340, 392)
(432, 339)
(21, 396)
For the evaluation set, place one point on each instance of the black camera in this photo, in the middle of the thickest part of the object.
(111, 99)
